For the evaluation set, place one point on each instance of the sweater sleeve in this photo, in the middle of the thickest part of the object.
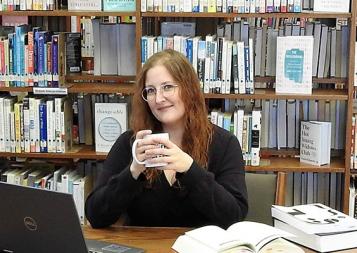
(219, 193)
(115, 187)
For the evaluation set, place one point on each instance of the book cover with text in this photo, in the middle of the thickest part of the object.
(110, 123)
(119, 5)
(294, 64)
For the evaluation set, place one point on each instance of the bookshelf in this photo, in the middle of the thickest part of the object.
(272, 160)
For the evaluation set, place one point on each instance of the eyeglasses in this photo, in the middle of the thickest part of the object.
(167, 89)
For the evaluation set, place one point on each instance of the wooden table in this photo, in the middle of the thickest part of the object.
(153, 240)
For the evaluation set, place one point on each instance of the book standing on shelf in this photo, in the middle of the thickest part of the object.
(110, 123)
(332, 6)
(119, 5)
(315, 142)
(85, 5)
(294, 64)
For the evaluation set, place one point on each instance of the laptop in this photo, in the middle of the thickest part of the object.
(37, 220)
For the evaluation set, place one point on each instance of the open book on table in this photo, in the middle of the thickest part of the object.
(240, 237)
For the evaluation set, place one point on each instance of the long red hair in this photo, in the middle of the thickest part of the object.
(198, 129)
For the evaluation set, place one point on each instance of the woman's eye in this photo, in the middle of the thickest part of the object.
(168, 87)
(150, 91)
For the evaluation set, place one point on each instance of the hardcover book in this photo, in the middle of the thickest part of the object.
(294, 64)
(110, 123)
(119, 5)
(315, 142)
(317, 226)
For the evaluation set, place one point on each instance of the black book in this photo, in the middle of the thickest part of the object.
(73, 52)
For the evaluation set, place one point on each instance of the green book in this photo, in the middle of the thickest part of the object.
(119, 5)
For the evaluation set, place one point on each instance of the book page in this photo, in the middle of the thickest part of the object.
(282, 246)
(255, 233)
(214, 237)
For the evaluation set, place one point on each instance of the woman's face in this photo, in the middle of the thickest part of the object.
(166, 105)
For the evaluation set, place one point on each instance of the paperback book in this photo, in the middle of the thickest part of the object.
(294, 64)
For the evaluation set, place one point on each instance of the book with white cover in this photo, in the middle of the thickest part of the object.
(332, 6)
(110, 123)
(315, 142)
(250, 236)
(320, 242)
(294, 64)
(314, 218)
(84, 5)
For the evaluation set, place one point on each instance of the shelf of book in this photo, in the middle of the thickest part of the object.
(77, 152)
(290, 164)
(246, 15)
(85, 87)
(286, 152)
(101, 88)
(103, 78)
(271, 79)
(66, 13)
(271, 164)
(319, 94)
(125, 88)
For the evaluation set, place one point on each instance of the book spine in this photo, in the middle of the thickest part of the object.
(43, 127)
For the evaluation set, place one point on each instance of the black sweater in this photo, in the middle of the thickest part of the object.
(199, 197)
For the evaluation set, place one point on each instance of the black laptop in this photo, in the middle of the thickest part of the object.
(41, 221)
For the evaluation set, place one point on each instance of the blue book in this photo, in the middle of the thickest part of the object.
(43, 38)
(247, 66)
(144, 49)
(119, 5)
(43, 127)
(20, 32)
(189, 49)
(35, 31)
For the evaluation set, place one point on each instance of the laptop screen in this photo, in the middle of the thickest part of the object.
(35, 220)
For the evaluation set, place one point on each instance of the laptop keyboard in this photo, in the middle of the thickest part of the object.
(112, 248)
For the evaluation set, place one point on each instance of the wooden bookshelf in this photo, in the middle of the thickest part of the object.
(271, 79)
(104, 78)
(272, 160)
(127, 89)
(289, 164)
(66, 13)
(292, 152)
(267, 164)
(78, 152)
(85, 87)
(322, 94)
(308, 14)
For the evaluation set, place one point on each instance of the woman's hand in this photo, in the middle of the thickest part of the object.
(175, 158)
(135, 168)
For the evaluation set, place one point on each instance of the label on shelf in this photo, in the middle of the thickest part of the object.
(49, 91)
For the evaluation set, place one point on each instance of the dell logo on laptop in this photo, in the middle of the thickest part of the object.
(30, 223)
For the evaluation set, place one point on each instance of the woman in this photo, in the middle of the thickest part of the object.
(203, 182)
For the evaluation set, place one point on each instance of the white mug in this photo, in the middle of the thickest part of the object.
(149, 165)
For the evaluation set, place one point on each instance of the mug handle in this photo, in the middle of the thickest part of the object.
(133, 152)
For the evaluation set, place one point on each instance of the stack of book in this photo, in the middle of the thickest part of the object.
(317, 226)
